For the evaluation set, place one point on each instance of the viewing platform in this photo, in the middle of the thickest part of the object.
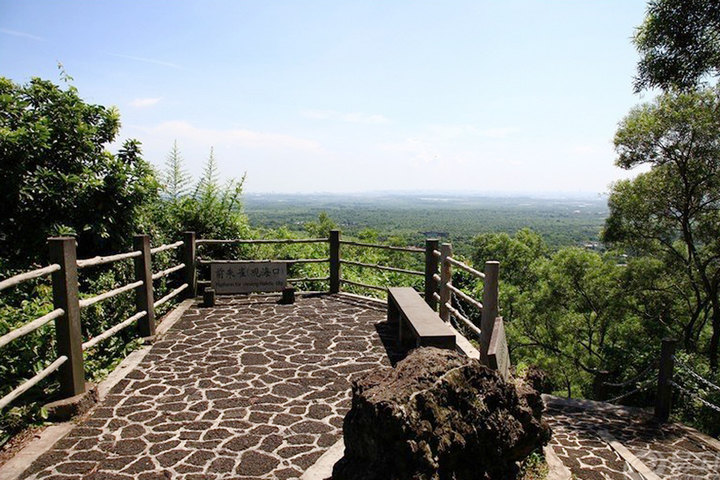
(250, 386)
(247, 389)
(254, 389)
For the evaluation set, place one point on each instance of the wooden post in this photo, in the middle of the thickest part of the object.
(144, 293)
(189, 261)
(431, 269)
(490, 308)
(334, 261)
(67, 327)
(445, 279)
(288, 295)
(665, 376)
(599, 387)
(209, 297)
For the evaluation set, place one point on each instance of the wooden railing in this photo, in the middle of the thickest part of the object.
(63, 268)
(438, 287)
(489, 305)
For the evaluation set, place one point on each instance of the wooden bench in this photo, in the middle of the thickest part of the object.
(418, 324)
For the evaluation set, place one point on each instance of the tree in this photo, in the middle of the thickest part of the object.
(212, 210)
(57, 177)
(321, 227)
(679, 43)
(672, 211)
(175, 179)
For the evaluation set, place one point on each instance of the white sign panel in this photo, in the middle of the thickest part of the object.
(248, 277)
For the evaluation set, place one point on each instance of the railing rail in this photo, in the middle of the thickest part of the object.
(242, 241)
(28, 384)
(64, 268)
(208, 261)
(384, 247)
(86, 302)
(163, 248)
(31, 326)
(100, 260)
(383, 267)
(465, 267)
(24, 277)
(113, 330)
(171, 295)
(364, 285)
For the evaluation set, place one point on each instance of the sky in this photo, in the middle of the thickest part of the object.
(480, 96)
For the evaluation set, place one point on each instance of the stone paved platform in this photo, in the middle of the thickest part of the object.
(248, 389)
(584, 440)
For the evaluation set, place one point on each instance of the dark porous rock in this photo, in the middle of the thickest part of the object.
(538, 379)
(439, 415)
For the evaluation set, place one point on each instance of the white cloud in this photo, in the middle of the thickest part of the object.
(16, 33)
(448, 131)
(500, 132)
(350, 117)
(235, 137)
(144, 102)
(146, 60)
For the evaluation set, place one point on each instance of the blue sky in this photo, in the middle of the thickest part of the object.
(345, 96)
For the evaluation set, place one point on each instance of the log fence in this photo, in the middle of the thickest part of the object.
(439, 292)
(64, 266)
(63, 269)
(670, 377)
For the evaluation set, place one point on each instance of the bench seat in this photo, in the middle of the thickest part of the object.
(418, 324)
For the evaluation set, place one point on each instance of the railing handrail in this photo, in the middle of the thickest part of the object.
(383, 267)
(363, 285)
(207, 261)
(465, 267)
(31, 382)
(86, 302)
(169, 246)
(386, 247)
(112, 330)
(68, 305)
(101, 260)
(241, 241)
(24, 277)
(30, 326)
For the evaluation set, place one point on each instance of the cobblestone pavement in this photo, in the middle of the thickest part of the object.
(248, 389)
(668, 450)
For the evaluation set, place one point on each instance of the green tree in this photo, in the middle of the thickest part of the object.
(679, 44)
(212, 210)
(321, 227)
(672, 211)
(57, 177)
(175, 179)
(573, 319)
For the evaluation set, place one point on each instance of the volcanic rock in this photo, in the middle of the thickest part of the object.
(439, 415)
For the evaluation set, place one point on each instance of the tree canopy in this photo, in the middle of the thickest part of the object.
(672, 211)
(679, 44)
(57, 176)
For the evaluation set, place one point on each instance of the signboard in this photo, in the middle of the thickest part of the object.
(498, 354)
(248, 277)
